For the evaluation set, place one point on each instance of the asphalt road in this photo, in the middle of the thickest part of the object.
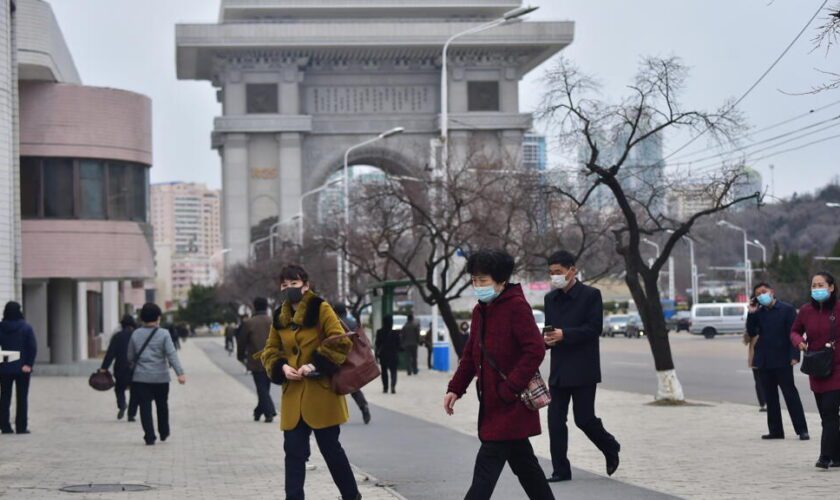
(709, 370)
(425, 461)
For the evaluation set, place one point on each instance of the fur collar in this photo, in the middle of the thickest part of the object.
(306, 315)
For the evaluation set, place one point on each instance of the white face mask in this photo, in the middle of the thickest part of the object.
(559, 281)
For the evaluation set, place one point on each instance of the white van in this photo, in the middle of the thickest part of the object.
(711, 319)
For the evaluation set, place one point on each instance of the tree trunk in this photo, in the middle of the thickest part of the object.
(645, 290)
(445, 310)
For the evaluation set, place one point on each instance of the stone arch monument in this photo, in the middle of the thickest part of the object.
(302, 81)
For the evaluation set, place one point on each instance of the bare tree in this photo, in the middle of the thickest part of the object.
(611, 134)
(827, 36)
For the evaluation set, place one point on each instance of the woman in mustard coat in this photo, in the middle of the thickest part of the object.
(295, 357)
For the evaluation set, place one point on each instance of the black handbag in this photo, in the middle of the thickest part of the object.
(820, 364)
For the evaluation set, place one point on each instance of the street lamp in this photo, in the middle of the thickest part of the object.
(695, 282)
(299, 216)
(344, 285)
(671, 293)
(763, 250)
(747, 266)
(213, 271)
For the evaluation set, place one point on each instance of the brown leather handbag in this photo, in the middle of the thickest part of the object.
(360, 368)
(101, 380)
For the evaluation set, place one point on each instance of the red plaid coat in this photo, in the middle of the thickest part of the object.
(513, 340)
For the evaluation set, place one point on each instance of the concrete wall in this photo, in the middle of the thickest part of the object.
(9, 209)
(42, 51)
(61, 306)
(35, 310)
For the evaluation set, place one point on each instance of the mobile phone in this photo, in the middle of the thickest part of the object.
(547, 329)
(314, 374)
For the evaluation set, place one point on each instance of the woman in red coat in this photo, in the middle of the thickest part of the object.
(502, 330)
(816, 326)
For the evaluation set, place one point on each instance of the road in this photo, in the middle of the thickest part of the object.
(709, 370)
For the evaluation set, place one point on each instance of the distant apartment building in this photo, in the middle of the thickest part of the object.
(696, 195)
(187, 236)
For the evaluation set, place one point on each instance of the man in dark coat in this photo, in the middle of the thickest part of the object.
(410, 341)
(252, 339)
(576, 313)
(118, 354)
(388, 347)
(16, 335)
(769, 324)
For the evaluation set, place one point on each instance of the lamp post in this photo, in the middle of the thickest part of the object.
(344, 285)
(213, 272)
(747, 265)
(695, 282)
(763, 248)
(671, 292)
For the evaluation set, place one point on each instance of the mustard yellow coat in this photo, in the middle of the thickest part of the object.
(294, 340)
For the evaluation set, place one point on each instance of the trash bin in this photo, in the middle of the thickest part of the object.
(440, 356)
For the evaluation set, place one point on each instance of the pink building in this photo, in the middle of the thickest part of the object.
(85, 154)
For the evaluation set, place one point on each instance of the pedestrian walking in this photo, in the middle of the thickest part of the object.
(575, 313)
(410, 341)
(118, 355)
(769, 324)
(816, 329)
(429, 342)
(231, 331)
(388, 347)
(16, 335)
(358, 396)
(295, 357)
(252, 339)
(504, 352)
(151, 353)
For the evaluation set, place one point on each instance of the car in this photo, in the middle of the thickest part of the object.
(680, 321)
(634, 328)
(615, 324)
(709, 320)
(425, 321)
(399, 321)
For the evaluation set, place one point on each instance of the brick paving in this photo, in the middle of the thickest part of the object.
(215, 451)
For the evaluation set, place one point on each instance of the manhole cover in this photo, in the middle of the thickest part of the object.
(104, 488)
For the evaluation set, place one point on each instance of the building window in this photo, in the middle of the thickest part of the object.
(59, 195)
(65, 188)
(92, 195)
(261, 98)
(483, 96)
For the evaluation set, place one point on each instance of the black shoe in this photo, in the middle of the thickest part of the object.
(384, 390)
(149, 442)
(804, 436)
(366, 415)
(270, 419)
(393, 391)
(131, 419)
(256, 418)
(773, 436)
(822, 464)
(121, 414)
(164, 437)
(763, 409)
(612, 464)
(559, 478)
(7, 431)
(835, 464)
(25, 431)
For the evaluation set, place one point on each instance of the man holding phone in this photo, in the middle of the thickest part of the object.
(769, 323)
(574, 318)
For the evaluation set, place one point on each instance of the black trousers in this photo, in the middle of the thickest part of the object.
(21, 384)
(146, 394)
(773, 379)
(519, 454)
(429, 352)
(265, 405)
(296, 446)
(585, 419)
(389, 366)
(412, 359)
(759, 389)
(829, 406)
(122, 384)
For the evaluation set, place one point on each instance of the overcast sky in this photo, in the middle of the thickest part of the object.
(130, 44)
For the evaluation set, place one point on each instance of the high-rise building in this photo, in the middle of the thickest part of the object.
(187, 233)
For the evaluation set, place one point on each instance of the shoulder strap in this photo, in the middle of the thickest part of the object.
(486, 356)
(146, 343)
(833, 319)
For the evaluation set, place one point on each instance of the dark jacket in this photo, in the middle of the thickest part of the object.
(772, 326)
(118, 353)
(252, 340)
(815, 323)
(513, 340)
(411, 334)
(388, 345)
(17, 335)
(576, 361)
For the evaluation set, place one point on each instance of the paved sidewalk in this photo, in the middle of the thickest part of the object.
(215, 450)
(709, 451)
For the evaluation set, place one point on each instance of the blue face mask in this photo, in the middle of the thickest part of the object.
(820, 294)
(485, 293)
(765, 299)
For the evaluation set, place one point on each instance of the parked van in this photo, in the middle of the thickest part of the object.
(711, 319)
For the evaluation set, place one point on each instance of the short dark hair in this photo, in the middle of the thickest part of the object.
(12, 311)
(562, 258)
(260, 304)
(829, 278)
(761, 284)
(498, 264)
(340, 309)
(127, 321)
(292, 272)
(150, 313)
(410, 317)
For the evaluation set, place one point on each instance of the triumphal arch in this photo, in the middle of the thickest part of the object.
(300, 81)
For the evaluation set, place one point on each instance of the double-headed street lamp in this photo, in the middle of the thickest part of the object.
(671, 281)
(344, 282)
(763, 248)
(747, 265)
(695, 280)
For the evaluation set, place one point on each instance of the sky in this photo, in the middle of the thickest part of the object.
(130, 44)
